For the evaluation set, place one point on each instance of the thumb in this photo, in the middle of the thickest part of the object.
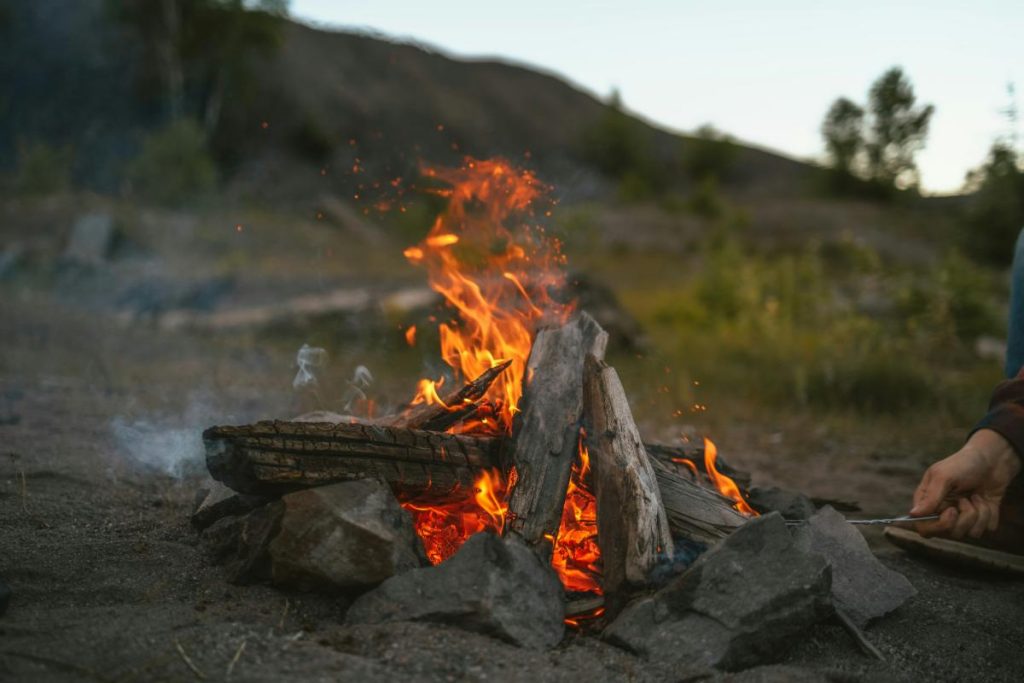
(930, 493)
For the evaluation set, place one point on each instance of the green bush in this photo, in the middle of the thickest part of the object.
(996, 211)
(174, 166)
(42, 168)
(709, 154)
(877, 381)
(622, 149)
(705, 201)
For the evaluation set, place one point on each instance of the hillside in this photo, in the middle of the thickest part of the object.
(327, 97)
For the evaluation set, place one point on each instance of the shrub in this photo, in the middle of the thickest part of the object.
(42, 168)
(996, 211)
(709, 154)
(174, 166)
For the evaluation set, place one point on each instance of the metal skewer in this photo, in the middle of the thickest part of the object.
(884, 520)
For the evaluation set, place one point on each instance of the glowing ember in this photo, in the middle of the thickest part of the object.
(576, 549)
(444, 528)
(726, 486)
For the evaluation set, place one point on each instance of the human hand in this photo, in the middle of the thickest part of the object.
(967, 487)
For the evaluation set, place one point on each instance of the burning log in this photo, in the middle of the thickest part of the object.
(545, 435)
(694, 455)
(275, 456)
(694, 512)
(632, 526)
(454, 406)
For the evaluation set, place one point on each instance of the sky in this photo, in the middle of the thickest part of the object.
(764, 71)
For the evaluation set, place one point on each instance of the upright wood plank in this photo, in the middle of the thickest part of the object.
(632, 525)
(545, 431)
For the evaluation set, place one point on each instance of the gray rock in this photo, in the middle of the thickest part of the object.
(353, 534)
(775, 673)
(91, 241)
(739, 604)
(218, 501)
(491, 585)
(862, 587)
(241, 543)
(790, 504)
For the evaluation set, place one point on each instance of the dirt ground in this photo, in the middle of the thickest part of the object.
(110, 584)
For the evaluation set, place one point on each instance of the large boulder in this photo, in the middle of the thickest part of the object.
(349, 535)
(491, 585)
(862, 587)
(739, 603)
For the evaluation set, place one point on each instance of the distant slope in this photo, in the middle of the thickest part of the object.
(75, 81)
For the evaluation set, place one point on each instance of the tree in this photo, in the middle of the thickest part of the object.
(996, 211)
(844, 136)
(709, 154)
(898, 129)
(201, 49)
(619, 146)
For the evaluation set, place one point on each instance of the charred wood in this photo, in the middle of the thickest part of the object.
(545, 432)
(273, 457)
(456, 405)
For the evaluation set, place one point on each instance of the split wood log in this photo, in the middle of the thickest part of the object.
(694, 512)
(694, 454)
(456, 405)
(632, 526)
(545, 431)
(272, 457)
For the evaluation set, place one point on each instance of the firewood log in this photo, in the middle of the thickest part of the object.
(276, 456)
(458, 404)
(545, 432)
(632, 525)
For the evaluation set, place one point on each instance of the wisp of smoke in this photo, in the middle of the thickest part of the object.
(169, 450)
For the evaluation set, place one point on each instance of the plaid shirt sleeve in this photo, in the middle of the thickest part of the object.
(1006, 412)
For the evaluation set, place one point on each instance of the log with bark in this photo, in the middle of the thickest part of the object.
(545, 432)
(632, 526)
(694, 512)
(458, 404)
(275, 456)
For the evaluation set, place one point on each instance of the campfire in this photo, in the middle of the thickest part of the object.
(537, 438)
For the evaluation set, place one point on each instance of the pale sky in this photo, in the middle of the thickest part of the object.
(765, 71)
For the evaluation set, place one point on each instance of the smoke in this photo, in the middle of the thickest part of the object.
(173, 451)
(169, 443)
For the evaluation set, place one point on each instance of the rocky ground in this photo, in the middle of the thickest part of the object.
(99, 417)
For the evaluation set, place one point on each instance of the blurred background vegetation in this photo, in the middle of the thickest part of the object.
(767, 290)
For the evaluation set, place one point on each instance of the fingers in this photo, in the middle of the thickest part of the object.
(941, 526)
(933, 488)
(980, 526)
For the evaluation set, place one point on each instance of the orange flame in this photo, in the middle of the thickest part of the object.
(444, 528)
(495, 270)
(410, 335)
(426, 392)
(576, 550)
(726, 486)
